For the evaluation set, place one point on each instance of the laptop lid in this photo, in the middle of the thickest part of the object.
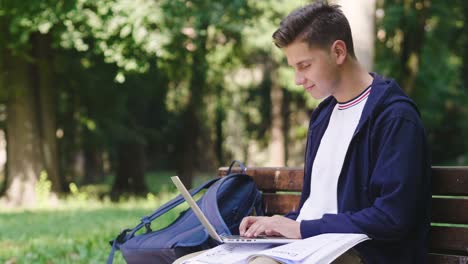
(211, 230)
(196, 209)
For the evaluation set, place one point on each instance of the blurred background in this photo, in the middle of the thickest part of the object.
(102, 100)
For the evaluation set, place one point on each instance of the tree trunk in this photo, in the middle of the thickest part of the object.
(130, 174)
(94, 170)
(3, 143)
(464, 50)
(192, 115)
(46, 102)
(285, 114)
(23, 157)
(3, 159)
(411, 47)
(70, 145)
(92, 154)
(3, 95)
(361, 17)
(220, 117)
(188, 145)
(277, 145)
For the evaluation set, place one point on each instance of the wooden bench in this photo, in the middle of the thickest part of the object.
(281, 189)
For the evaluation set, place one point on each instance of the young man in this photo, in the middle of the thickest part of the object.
(366, 163)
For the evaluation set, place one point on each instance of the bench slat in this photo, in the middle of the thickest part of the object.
(443, 239)
(270, 179)
(453, 211)
(280, 204)
(445, 180)
(450, 181)
(449, 239)
(447, 259)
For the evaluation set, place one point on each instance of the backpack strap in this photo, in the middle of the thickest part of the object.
(241, 165)
(258, 199)
(146, 220)
(212, 211)
(258, 204)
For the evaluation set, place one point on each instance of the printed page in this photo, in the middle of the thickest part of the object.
(228, 254)
(323, 246)
(332, 251)
(301, 249)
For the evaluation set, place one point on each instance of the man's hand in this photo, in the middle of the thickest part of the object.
(253, 226)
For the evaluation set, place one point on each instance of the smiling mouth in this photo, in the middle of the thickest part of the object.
(309, 88)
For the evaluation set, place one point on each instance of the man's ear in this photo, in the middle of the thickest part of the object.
(339, 51)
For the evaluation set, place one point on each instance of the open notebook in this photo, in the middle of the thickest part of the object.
(211, 230)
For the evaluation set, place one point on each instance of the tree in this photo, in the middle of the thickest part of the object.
(361, 17)
(410, 49)
(28, 86)
(198, 36)
(273, 107)
(23, 156)
(45, 94)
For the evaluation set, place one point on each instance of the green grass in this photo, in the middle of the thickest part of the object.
(77, 229)
(68, 236)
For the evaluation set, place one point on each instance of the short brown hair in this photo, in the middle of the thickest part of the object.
(318, 24)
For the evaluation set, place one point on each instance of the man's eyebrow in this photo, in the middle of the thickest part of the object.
(302, 62)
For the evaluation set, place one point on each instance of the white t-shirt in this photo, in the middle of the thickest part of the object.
(328, 162)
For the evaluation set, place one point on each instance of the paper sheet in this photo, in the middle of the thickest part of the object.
(321, 249)
(228, 253)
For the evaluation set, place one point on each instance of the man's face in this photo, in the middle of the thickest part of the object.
(315, 69)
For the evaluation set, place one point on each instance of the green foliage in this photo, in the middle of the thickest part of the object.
(147, 60)
(76, 194)
(124, 32)
(419, 45)
(43, 189)
(260, 64)
(25, 17)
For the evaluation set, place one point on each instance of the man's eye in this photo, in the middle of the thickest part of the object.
(303, 67)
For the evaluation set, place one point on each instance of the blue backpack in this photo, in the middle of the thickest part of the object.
(226, 201)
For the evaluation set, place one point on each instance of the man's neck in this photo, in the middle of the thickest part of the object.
(353, 80)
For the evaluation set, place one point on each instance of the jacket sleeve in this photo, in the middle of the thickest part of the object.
(398, 185)
(292, 215)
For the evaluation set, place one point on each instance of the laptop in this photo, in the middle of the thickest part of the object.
(211, 230)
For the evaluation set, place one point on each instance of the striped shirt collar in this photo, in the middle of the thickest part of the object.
(356, 100)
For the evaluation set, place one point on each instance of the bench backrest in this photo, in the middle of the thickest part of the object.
(281, 188)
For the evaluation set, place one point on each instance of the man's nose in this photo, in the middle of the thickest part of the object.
(300, 80)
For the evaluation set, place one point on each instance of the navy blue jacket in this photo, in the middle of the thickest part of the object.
(384, 185)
